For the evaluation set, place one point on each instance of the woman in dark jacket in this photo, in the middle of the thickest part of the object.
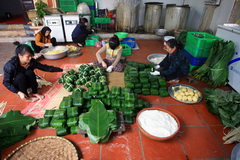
(80, 33)
(175, 65)
(19, 73)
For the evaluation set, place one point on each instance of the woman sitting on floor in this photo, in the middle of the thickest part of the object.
(113, 55)
(175, 65)
(19, 73)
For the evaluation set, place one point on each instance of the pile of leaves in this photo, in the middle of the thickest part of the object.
(225, 104)
(215, 71)
(14, 127)
(85, 75)
(98, 122)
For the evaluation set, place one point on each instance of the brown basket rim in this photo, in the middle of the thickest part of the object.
(41, 138)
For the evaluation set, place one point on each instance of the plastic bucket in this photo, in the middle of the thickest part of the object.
(166, 38)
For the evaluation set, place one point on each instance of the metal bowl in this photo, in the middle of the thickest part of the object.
(156, 55)
(160, 32)
(64, 52)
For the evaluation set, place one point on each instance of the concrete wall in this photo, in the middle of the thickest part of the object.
(221, 14)
(12, 6)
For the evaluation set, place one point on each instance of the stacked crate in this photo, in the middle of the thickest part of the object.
(68, 5)
(197, 48)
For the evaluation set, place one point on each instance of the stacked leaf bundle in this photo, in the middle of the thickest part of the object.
(125, 100)
(137, 77)
(65, 119)
(98, 122)
(85, 75)
(225, 104)
(14, 127)
(215, 71)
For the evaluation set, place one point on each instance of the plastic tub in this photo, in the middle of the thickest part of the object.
(121, 34)
(129, 41)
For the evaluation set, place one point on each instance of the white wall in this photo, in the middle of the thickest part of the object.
(221, 14)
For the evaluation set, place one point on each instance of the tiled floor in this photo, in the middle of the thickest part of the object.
(200, 136)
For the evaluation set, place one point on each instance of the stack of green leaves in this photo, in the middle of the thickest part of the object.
(98, 122)
(126, 101)
(14, 127)
(137, 77)
(215, 70)
(225, 104)
(86, 75)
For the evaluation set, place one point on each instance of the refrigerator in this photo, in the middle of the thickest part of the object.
(231, 32)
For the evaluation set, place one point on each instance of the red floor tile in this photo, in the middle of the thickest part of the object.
(208, 118)
(9, 97)
(167, 150)
(152, 99)
(186, 114)
(8, 108)
(124, 147)
(200, 143)
(19, 108)
(219, 132)
(86, 149)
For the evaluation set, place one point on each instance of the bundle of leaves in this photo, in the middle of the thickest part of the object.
(215, 71)
(86, 75)
(98, 122)
(14, 127)
(225, 104)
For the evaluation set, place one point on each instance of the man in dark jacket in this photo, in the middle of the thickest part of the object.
(19, 73)
(80, 33)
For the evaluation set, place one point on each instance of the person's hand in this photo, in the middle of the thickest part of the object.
(48, 44)
(109, 69)
(104, 65)
(22, 95)
(155, 73)
(157, 66)
(39, 96)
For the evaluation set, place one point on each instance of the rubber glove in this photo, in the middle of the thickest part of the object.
(155, 73)
(109, 69)
(157, 66)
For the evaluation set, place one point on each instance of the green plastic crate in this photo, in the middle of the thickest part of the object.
(67, 2)
(126, 51)
(192, 67)
(205, 42)
(197, 52)
(91, 40)
(69, 8)
(102, 20)
(88, 2)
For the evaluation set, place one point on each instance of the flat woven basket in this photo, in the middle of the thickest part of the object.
(45, 148)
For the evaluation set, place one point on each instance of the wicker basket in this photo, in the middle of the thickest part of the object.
(48, 147)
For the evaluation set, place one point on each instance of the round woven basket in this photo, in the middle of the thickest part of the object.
(145, 133)
(48, 147)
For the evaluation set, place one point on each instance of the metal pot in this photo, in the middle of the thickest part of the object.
(152, 17)
(176, 17)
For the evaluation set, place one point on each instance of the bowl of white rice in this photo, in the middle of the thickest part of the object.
(157, 124)
(156, 58)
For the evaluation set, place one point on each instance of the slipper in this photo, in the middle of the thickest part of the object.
(173, 81)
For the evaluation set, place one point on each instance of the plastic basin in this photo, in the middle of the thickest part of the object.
(121, 34)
